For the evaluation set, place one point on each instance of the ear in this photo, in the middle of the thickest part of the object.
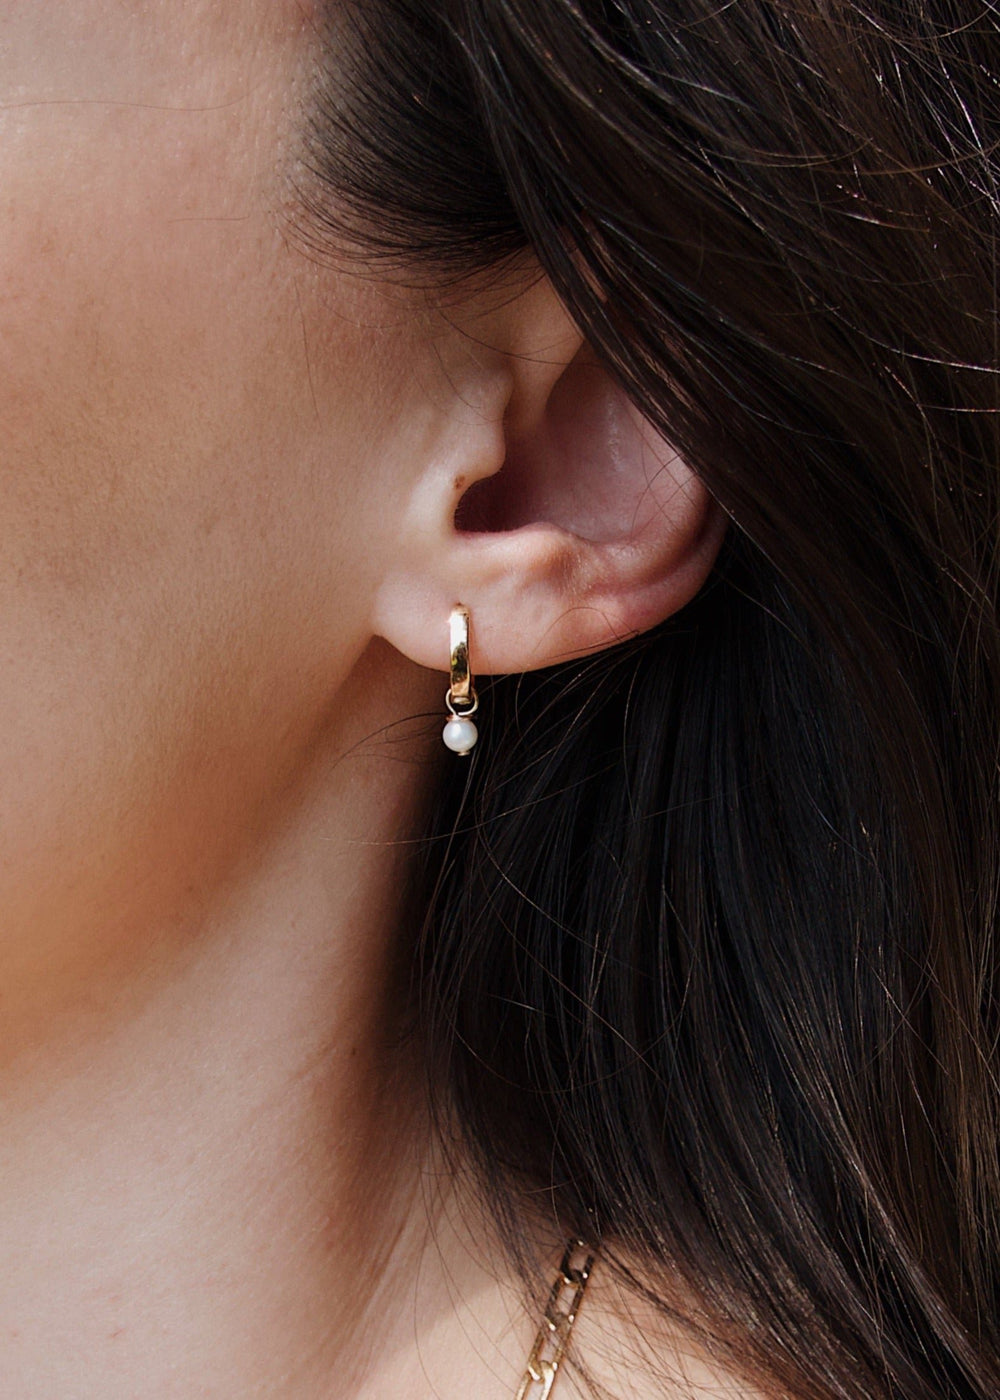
(590, 529)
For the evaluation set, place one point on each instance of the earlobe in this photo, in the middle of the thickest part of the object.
(591, 530)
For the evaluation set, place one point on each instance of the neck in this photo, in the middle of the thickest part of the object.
(212, 1146)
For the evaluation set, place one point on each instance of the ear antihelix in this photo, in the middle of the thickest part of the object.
(460, 733)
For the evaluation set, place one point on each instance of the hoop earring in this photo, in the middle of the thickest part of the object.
(459, 733)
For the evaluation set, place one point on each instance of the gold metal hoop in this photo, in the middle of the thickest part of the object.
(461, 698)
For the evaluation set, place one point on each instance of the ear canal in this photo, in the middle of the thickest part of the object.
(585, 461)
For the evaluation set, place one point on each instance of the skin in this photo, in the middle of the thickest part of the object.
(228, 481)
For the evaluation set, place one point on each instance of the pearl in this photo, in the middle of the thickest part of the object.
(460, 734)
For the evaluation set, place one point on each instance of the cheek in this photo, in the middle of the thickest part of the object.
(135, 324)
(181, 585)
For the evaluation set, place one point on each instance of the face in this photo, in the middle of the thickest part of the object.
(228, 463)
(203, 431)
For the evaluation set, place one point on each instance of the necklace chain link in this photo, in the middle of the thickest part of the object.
(557, 1323)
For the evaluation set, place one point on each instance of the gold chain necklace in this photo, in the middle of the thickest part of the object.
(557, 1323)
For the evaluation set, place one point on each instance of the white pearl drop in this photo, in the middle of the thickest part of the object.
(460, 734)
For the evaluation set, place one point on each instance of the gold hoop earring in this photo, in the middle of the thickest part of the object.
(459, 733)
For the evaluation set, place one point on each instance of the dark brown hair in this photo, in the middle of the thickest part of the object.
(712, 955)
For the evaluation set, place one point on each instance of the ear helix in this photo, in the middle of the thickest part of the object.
(459, 733)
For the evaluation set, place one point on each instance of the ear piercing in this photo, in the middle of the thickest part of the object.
(459, 733)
